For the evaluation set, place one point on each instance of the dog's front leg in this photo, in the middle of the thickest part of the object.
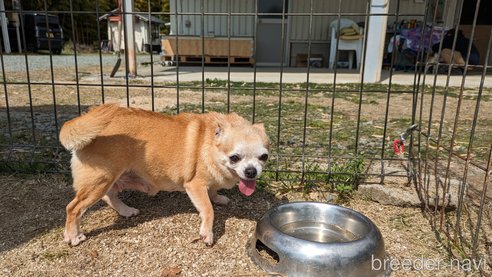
(198, 193)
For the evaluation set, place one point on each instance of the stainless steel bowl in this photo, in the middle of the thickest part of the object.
(318, 239)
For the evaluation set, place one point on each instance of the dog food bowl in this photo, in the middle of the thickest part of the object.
(317, 239)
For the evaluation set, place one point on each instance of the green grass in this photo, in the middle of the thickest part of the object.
(288, 139)
(54, 255)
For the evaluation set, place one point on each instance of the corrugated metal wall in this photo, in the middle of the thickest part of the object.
(299, 25)
(243, 25)
(214, 25)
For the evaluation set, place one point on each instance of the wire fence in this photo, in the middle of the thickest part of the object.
(327, 124)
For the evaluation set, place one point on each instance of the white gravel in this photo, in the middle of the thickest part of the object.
(17, 62)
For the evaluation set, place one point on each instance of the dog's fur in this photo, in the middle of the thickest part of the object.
(115, 149)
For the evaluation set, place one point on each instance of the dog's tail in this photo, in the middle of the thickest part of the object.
(79, 132)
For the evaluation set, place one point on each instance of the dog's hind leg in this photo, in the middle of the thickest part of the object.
(217, 198)
(89, 191)
(111, 198)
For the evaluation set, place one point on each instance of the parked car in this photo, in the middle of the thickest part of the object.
(42, 32)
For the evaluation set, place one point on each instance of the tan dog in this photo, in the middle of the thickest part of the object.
(116, 148)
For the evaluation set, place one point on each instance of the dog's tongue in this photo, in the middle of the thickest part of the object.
(247, 187)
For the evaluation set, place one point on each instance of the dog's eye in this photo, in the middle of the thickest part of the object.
(264, 157)
(234, 158)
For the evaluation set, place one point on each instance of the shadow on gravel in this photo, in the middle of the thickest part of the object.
(167, 204)
(32, 205)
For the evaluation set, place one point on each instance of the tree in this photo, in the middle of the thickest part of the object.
(79, 18)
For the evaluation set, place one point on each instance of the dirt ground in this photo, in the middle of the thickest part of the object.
(162, 240)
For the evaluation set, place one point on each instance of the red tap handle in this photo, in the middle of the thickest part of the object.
(398, 146)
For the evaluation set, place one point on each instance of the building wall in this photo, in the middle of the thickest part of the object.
(197, 21)
(320, 31)
(190, 23)
(353, 9)
(141, 35)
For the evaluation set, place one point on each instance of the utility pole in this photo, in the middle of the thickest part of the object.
(129, 19)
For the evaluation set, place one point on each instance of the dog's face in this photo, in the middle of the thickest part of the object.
(243, 150)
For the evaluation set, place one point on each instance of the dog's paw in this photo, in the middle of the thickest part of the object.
(76, 240)
(128, 212)
(207, 237)
(221, 199)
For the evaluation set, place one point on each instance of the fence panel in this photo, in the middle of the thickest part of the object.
(327, 127)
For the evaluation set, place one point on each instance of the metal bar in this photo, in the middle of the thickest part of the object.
(100, 53)
(177, 56)
(191, 86)
(28, 77)
(388, 95)
(488, 172)
(255, 36)
(441, 125)
(72, 22)
(472, 136)
(6, 94)
(334, 92)
(152, 91)
(426, 180)
(455, 127)
(229, 23)
(52, 74)
(361, 87)
(125, 42)
(282, 53)
(30, 151)
(306, 93)
(202, 18)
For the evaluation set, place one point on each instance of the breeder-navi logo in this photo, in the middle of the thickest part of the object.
(422, 264)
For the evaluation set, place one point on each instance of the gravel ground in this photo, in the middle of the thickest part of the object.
(17, 63)
(162, 240)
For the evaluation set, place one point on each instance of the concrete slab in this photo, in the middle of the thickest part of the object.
(300, 75)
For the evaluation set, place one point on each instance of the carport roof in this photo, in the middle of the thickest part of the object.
(142, 16)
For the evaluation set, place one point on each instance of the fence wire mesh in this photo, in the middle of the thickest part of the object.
(328, 125)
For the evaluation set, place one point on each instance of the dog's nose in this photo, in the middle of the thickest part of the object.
(250, 172)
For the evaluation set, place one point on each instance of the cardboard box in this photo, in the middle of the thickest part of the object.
(316, 60)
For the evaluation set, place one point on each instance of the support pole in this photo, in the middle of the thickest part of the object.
(130, 37)
(376, 33)
(5, 30)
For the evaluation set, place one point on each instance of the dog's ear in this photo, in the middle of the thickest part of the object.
(260, 127)
(219, 131)
(221, 124)
(236, 120)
